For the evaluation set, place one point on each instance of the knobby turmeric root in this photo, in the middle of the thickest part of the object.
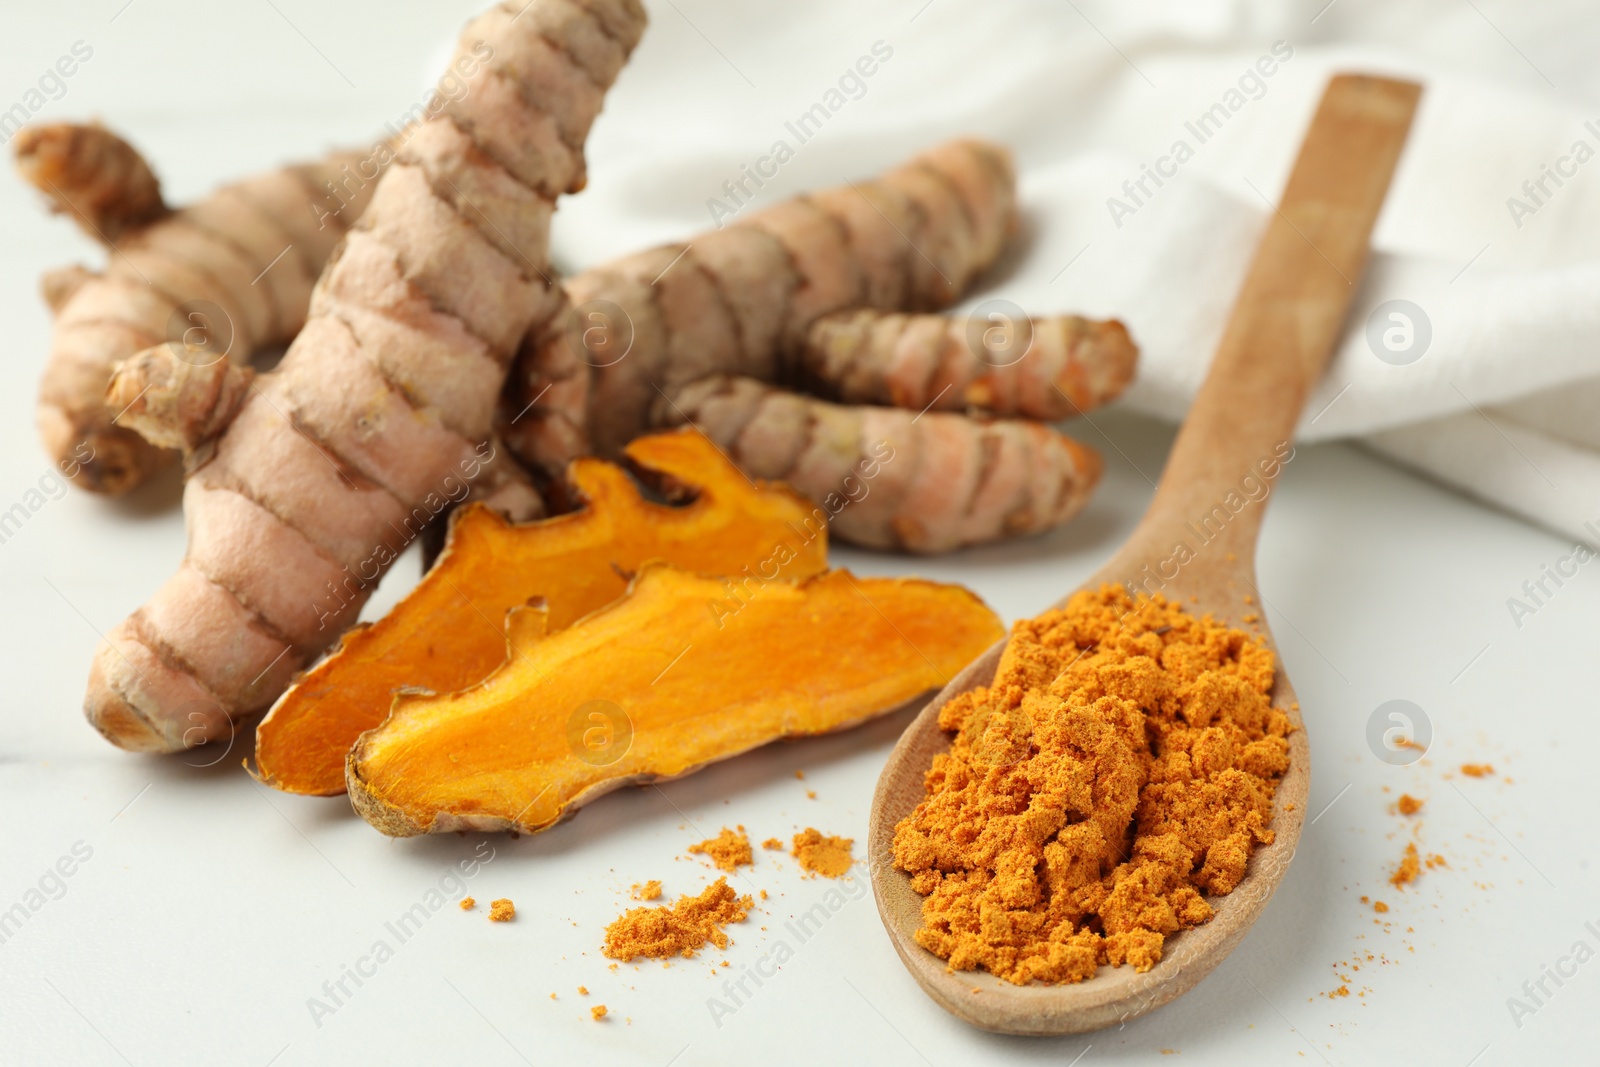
(1040, 368)
(448, 632)
(227, 276)
(809, 293)
(675, 675)
(90, 173)
(740, 299)
(925, 482)
(383, 406)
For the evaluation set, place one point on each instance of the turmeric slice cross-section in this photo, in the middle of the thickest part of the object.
(449, 632)
(676, 675)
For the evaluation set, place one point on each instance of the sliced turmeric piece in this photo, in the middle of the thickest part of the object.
(447, 634)
(655, 686)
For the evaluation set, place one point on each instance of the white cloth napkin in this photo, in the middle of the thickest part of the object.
(1499, 278)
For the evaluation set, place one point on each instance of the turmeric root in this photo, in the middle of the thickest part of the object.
(92, 174)
(227, 276)
(660, 335)
(655, 686)
(1042, 368)
(741, 299)
(384, 403)
(922, 483)
(447, 633)
(174, 401)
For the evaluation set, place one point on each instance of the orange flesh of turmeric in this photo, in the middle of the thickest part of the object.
(448, 632)
(664, 681)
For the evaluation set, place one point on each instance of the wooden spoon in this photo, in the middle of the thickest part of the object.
(1283, 327)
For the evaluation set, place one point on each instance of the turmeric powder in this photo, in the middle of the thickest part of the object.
(729, 850)
(678, 930)
(822, 854)
(1410, 866)
(1122, 764)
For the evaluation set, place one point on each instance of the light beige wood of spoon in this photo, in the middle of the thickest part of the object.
(1278, 338)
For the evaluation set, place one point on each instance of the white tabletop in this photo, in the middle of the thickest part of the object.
(204, 914)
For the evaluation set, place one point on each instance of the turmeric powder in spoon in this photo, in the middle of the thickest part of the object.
(1121, 766)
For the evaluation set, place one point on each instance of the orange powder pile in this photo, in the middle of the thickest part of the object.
(598, 1012)
(821, 854)
(1410, 805)
(678, 930)
(728, 850)
(467, 903)
(1477, 770)
(651, 890)
(1122, 765)
(502, 911)
(774, 843)
(1409, 868)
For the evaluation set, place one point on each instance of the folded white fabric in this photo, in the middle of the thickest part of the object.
(1152, 141)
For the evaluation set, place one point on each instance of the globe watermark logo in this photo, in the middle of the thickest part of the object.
(1399, 332)
(1399, 732)
(600, 333)
(599, 732)
(200, 332)
(999, 333)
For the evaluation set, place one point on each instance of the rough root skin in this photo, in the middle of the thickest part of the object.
(1043, 368)
(232, 272)
(383, 406)
(740, 300)
(93, 175)
(174, 402)
(890, 478)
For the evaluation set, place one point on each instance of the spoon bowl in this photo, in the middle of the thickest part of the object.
(1195, 545)
(1114, 994)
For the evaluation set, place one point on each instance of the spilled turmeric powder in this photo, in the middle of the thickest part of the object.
(1122, 764)
(1408, 869)
(728, 850)
(678, 930)
(823, 854)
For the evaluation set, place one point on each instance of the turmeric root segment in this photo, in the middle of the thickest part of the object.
(447, 635)
(676, 675)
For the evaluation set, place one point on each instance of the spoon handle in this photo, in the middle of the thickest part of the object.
(1284, 323)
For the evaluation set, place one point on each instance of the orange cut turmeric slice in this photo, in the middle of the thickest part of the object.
(449, 631)
(674, 676)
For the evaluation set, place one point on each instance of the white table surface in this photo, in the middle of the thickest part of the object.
(209, 911)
